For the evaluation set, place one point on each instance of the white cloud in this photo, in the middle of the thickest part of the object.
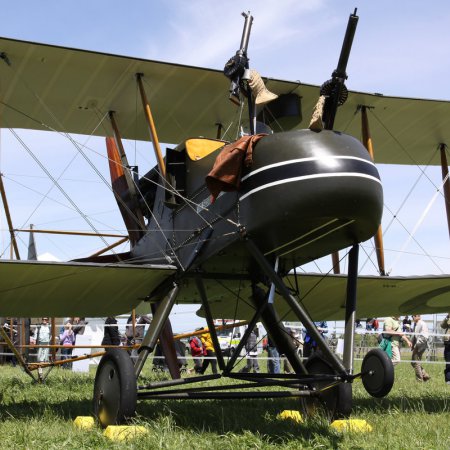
(207, 34)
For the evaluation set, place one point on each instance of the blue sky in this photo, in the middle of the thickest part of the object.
(400, 48)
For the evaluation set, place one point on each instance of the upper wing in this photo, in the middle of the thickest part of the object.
(48, 87)
(76, 88)
(36, 289)
(324, 296)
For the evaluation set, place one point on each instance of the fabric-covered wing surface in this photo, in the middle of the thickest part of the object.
(79, 87)
(324, 297)
(35, 289)
(376, 296)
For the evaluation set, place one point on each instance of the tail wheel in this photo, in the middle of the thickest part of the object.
(377, 373)
(115, 388)
(334, 401)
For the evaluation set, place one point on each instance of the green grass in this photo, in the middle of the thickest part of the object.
(34, 416)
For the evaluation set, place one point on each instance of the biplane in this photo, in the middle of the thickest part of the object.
(223, 222)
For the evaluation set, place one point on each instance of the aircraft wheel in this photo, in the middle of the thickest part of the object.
(115, 388)
(336, 401)
(378, 373)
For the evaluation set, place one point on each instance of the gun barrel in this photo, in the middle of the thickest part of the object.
(246, 34)
(346, 46)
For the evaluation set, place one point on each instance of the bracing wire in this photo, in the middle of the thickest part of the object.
(57, 184)
(419, 223)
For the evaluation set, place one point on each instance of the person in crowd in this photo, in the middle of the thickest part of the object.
(406, 327)
(135, 335)
(392, 331)
(78, 326)
(251, 347)
(159, 361)
(130, 332)
(67, 340)
(10, 327)
(111, 334)
(445, 325)
(141, 323)
(297, 341)
(180, 349)
(273, 362)
(287, 368)
(419, 345)
(195, 343)
(375, 324)
(297, 338)
(310, 345)
(208, 353)
(43, 337)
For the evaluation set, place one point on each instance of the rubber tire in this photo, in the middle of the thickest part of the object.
(115, 388)
(335, 402)
(380, 382)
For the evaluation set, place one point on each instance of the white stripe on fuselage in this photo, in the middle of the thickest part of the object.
(309, 177)
(323, 159)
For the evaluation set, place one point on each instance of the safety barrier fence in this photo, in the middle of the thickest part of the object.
(430, 357)
(243, 357)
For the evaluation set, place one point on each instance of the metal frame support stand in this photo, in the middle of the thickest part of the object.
(299, 311)
(210, 322)
(276, 329)
(350, 307)
(155, 328)
(244, 339)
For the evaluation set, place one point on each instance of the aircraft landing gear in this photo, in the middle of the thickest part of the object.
(115, 388)
(334, 401)
(377, 373)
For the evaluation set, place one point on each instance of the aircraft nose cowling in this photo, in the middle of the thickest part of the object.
(308, 194)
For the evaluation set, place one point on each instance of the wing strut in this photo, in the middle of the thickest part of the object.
(367, 141)
(151, 126)
(8, 218)
(446, 182)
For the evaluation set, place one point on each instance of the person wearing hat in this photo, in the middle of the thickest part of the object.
(445, 325)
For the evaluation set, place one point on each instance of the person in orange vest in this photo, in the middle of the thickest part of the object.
(209, 353)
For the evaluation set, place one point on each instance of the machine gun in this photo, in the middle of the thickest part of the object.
(237, 65)
(334, 89)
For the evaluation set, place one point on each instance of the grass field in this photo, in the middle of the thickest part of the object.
(412, 416)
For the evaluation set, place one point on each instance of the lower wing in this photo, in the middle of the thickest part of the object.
(36, 289)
